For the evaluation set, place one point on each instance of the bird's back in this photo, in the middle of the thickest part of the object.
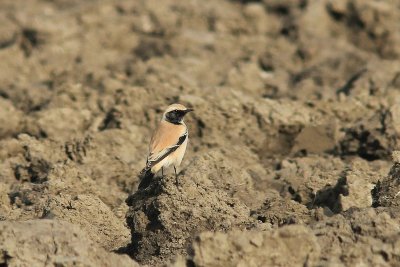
(166, 135)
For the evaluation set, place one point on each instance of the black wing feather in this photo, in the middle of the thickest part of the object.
(150, 164)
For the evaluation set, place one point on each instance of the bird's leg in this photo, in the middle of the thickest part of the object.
(176, 177)
(162, 171)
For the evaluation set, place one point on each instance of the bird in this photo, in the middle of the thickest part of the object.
(167, 145)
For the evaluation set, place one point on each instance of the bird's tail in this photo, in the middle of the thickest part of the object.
(146, 176)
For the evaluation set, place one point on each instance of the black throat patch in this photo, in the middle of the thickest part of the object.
(175, 116)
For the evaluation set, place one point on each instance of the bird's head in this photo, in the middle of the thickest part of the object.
(175, 113)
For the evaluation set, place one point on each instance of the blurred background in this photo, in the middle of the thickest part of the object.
(296, 116)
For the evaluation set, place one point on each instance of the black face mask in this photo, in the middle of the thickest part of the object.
(175, 116)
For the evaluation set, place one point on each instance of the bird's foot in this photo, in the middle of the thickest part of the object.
(176, 177)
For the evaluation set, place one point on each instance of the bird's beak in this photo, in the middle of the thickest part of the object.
(189, 110)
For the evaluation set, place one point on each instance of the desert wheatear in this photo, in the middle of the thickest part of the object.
(167, 145)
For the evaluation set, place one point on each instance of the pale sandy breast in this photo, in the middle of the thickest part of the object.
(177, 156)
(174, 159)
(167, 135)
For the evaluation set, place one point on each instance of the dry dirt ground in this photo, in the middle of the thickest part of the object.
(290, 156)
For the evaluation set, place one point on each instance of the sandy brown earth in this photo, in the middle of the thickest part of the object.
(297, 113)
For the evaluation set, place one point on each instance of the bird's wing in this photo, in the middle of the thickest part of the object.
(166, 139)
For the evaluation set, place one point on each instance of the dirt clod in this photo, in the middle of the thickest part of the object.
(165, 217)
(297, 116)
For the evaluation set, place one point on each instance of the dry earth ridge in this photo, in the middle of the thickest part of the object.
(297, 116)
